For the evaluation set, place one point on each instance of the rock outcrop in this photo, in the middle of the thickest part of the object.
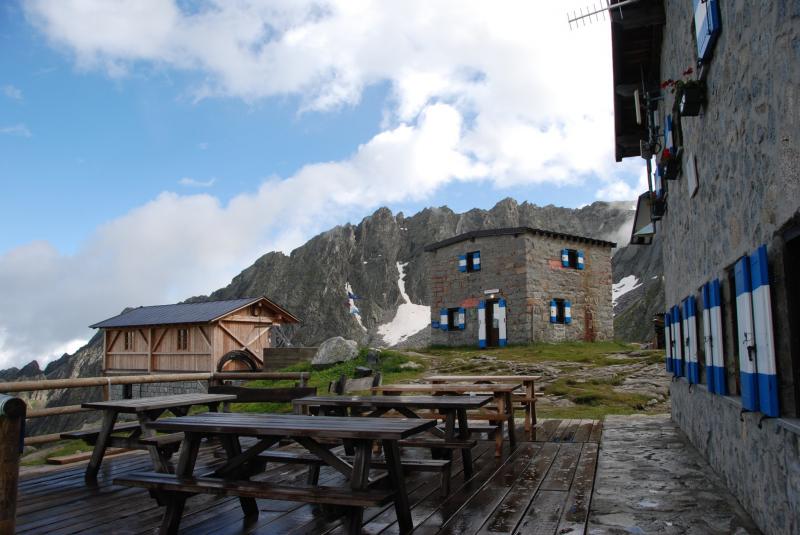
(333, 351)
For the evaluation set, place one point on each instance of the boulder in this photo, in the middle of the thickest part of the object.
(333, 351)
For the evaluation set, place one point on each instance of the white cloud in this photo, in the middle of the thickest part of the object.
(534, 97)
(19, 129)
(12, 92)
(191, 182)
(620, 189)
(501, 92)
(176, 246)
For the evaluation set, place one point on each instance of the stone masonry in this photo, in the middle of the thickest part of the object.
(526, 270)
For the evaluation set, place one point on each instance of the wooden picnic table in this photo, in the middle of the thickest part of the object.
(452, 408)
(139, 436)
(233, 479)
(527, 398)
(501, 392)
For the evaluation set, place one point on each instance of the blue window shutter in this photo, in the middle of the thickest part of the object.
(707, 27)
(567, 312)
(476, 261)
(553, 311)
(565, 257)
(443, 319)
(502, 338)
(669, 142)
(462, 263)
(580, 260)
(747, 345)
(482, 324)
(434, 324)
(764, 337)
(462, 318)
(668, 340)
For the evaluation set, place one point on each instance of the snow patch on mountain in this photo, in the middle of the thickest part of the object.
(409, 318)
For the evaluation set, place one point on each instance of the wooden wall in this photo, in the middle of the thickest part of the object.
(155, 349)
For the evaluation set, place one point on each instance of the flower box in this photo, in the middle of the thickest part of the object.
(691, 98)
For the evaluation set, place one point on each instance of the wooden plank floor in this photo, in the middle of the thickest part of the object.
(544, 486)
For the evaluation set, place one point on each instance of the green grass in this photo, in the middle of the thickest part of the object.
(579, 352)
(66, 447)
(593, 398)
(389, 365)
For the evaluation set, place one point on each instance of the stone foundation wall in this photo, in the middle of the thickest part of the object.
(162, 389)
(758, 460)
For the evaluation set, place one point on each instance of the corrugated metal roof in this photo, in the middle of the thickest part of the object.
(180, 313)
(513, 231)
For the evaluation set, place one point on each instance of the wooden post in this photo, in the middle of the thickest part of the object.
(12, 419)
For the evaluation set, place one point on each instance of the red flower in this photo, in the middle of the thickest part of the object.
(688, 71)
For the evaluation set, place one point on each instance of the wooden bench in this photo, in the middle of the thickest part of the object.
(478, 427)
(262, 395)
(163, 441)
(90, 435)
(169, 484)
(344, 385)
(442, 466)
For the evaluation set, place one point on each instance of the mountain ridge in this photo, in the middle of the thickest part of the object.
(312, 280)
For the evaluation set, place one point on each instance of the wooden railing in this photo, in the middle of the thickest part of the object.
(214, 378)
(12, 425)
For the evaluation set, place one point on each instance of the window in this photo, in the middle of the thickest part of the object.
(455, 319)
(572, 258)
(183, 339)
(129, 340)
(469, 262)
(791, 267)
(560, 311)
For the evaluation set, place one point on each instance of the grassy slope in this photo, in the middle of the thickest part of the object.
(593, 397)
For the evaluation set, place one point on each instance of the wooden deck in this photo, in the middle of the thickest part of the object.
(542, 487)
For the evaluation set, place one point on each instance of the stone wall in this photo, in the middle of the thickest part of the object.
(161, 389)
(526, 269)
(588, 290)
(747, 159)
(759, 460)
(502, 267)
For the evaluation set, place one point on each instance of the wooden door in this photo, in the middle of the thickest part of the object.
(492, 324)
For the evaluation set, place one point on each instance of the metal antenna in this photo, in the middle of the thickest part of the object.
(596, 12)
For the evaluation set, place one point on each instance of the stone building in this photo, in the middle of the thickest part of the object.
(709, 93)
(517, 285)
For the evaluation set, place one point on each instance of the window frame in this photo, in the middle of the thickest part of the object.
(129, 341)
(471, 261)
(452, 319)
(182, 341)
(561, 310)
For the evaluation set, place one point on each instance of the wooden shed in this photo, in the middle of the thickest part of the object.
(207, 336)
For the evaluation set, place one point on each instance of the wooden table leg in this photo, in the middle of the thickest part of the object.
(500, 401)
(359, 480)
(233, 448)
(529, 393)
(463, 433)
(512, 427)
(160, 462)
(185, 468)
(391, 453)
(109, 420)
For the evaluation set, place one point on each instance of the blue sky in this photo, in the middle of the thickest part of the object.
(153, 126)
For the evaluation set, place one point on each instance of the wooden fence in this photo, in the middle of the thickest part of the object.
(277, 358)
(13, 413)
(214, 378)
